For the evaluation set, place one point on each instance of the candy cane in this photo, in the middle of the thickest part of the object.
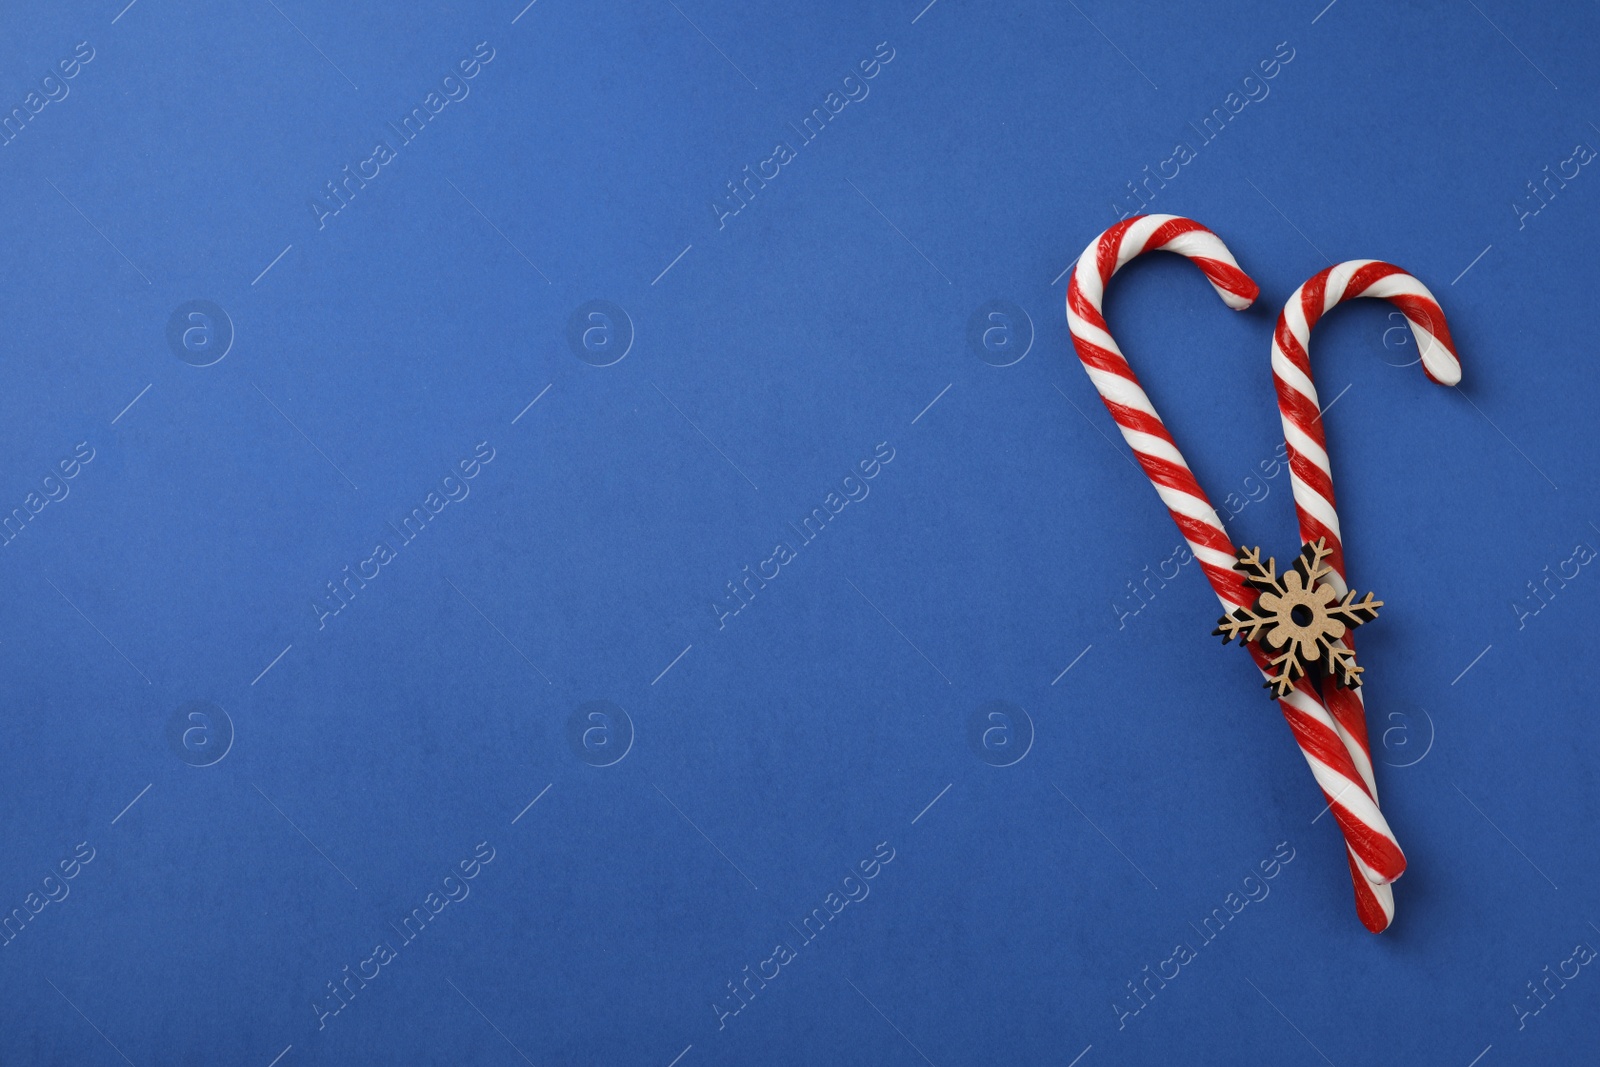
(1309, 471)
(1375, 855)
(1297, 397)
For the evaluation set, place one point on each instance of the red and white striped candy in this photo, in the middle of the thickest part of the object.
(1297, 396)
(1309, 471)
(1375, 855)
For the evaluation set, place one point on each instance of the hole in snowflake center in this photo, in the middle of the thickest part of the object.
(1302, 615)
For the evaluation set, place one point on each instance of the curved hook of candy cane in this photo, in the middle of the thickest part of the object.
(1303, 431)
(1119, 387)
(1370, 840)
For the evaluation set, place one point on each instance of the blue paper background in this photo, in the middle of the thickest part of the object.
(772, 754)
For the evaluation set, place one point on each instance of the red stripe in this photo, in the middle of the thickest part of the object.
(1375, 850)
(1312, 296)
(1082, 306)
(1140, 421)
(1367, 277)
(1104, 359)
(1345, 705)
(1110, 249)
(1311, 529)
(1367, 907)
(1311, 474)
(1291, 345)
(1229, 277)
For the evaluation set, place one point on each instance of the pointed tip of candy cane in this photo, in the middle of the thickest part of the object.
(1374, 903)
(1244, 297)
(1443, 370)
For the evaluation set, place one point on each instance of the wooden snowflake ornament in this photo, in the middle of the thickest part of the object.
(1299, 617)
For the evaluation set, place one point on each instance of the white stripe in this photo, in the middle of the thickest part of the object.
(1203, 244)
(1087, 275)
(1293, 376)
(1372, 877)
(1438, 359)
(1084, 330)
(1317, 506)
(1385, 898)
(1190, 507)
(1298, 440)
(1401, 284)
(1120, 390)
(1211, 556)
(1339, 281)
(1358, 754)
(1150, 445)
(1138, 236)
(1294, 318)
